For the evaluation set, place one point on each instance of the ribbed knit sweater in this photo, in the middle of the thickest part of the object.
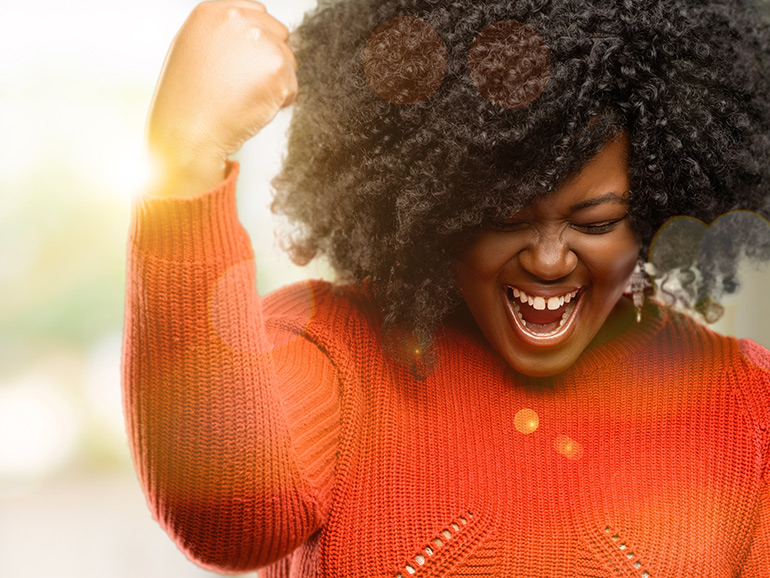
(276, 432)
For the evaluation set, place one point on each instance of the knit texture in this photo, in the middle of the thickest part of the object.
(276, 432)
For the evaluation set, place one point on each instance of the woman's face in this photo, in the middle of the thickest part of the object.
(543, 283)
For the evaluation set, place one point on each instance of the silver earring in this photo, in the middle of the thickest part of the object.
(638, 285)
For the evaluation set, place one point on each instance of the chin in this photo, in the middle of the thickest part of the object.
(541, 366)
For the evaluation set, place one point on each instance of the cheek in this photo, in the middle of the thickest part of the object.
(616, 262)
(481, 262)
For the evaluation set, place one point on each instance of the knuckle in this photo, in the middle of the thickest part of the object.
(258, 34)
(207, 6)
(265, 43)
(219, 9)
(232, 13)
(209, 10)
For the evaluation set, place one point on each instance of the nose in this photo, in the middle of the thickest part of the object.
(548, 257)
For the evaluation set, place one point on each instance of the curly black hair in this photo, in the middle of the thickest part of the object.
(387, 185)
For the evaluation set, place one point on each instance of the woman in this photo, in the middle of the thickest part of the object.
(480, 398)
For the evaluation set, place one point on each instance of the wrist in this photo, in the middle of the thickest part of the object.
(184, 174)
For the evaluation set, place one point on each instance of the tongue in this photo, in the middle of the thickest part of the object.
(544, 317)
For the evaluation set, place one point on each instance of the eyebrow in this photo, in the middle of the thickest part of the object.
(606, 198)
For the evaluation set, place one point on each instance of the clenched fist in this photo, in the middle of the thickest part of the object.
(228, 72)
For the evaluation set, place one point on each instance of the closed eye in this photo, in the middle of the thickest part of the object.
(597, 228)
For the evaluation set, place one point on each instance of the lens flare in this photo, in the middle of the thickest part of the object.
(405, 60)
(234, 306)
(509, 63)
(568, 447)
(526, 421)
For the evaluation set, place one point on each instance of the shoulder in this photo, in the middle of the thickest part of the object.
(320, 297)
(756, 355)
(742, 354)
(695, 342)
(742, 364)
(322, 308)
(297, 299)
(754, 376)
(755, 388)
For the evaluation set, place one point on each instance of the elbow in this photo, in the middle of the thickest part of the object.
(237, 536)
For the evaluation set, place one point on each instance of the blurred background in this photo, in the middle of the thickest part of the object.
(76, 79)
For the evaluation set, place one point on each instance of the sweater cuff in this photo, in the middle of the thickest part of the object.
(199, 229)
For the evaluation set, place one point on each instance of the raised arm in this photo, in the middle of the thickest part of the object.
(228, 72)
(234, 440)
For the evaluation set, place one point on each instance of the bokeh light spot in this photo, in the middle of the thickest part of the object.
(405, 60)
(683, 244)
(526, 421)
(234, 305)
(233, 300)
(509, 63)
(568, 447)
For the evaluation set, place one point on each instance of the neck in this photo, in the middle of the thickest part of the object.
(621, 317)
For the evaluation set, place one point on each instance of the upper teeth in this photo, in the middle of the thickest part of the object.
(540, 303)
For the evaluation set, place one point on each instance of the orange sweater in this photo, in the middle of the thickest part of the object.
(276, 432)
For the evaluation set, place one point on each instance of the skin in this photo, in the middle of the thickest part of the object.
(579, 237)
(202, 112)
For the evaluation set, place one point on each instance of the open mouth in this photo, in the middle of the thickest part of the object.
(540, 316)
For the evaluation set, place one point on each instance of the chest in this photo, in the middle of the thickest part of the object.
(471, 474)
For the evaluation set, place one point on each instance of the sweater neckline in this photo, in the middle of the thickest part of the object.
(631, 341)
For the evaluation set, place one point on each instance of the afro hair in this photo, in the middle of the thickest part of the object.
(394, 158)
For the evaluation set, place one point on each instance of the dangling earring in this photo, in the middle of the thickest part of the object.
(638, 285)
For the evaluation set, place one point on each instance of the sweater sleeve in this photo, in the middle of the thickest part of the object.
(233, 430)
(757, 563)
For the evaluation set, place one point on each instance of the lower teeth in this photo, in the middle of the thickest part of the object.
(567, 312)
